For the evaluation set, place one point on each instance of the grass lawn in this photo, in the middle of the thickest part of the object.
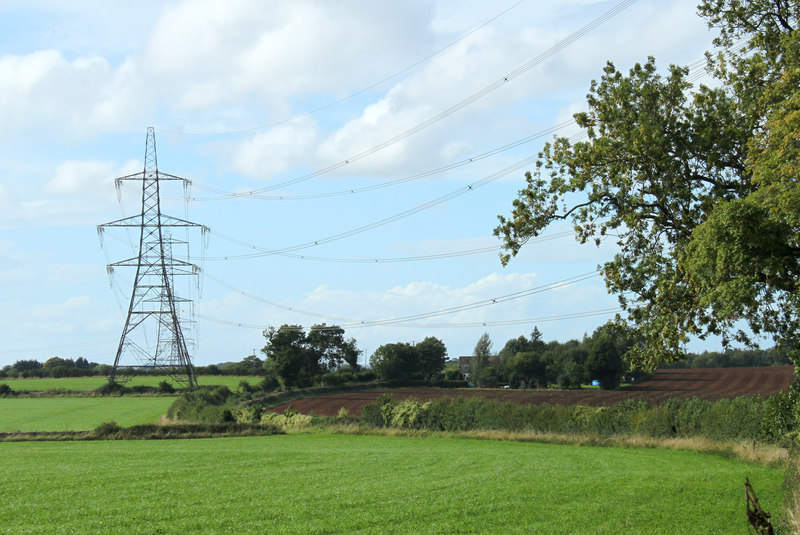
(78, 414)
(92, 383)
(306, 483)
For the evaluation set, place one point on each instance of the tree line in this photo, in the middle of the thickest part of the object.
(323, 356)
(526, 362)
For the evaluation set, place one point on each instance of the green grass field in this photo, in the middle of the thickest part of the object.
(79, 414)
(92, 383)
(306, 483)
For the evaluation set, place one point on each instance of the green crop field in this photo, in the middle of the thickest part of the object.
(79, 414)
(306, 483)
(92, 383)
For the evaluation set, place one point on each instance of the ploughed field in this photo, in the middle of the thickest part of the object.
(704, 383)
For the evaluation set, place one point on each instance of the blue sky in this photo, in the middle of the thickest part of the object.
(252, 96)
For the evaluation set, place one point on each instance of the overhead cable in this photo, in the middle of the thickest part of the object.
(456, 325)
(519, 71)
(439, 200)
(352, 95)
(417, 176)
(351, 323)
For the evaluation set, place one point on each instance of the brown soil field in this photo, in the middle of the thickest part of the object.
(703, 383)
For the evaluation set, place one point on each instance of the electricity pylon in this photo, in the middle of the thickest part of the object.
(152, 338)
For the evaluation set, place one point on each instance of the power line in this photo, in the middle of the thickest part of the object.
(423, 174)
(437, 256)
(456, 325)
(352, 323)
(697, 71)
(352, 95)
(411, 211)
(519, 71)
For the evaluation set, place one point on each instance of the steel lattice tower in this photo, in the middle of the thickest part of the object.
(152, 338)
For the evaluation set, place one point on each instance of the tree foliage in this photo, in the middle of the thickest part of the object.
(396, 362)
(402, 361)
(696, 185)
(605, 359)
(481, 354)
(298, 358)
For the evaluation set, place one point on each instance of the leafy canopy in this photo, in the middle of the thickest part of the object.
(299, 358)
(697, 186)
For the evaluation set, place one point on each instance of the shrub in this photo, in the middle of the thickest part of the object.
(210, 405)
(6, 390)
(780, 415)
(165, 387)
(271, 383)
(289, 420)
(379, 413)
(106, 429)
(727, 419)
(409, 414)
(245, 386)
(111, 389)
(249, 414)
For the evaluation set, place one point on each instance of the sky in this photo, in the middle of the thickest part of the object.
(343, 156)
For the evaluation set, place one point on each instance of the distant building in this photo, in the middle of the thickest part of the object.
(464, 364)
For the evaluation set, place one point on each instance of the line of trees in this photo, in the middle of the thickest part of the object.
(55, 367)
(294, 358)
(733, 358)
(530, 362)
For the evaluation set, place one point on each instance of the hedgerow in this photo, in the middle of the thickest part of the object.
(727, 419)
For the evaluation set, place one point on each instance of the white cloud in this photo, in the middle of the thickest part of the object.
(93, 178)
(78, 192)
(271, 153)
(44, 90)
(279, 48)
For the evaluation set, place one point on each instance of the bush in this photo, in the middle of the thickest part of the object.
(249, 414)
(245, 386)
(111, 389)
(270, 383)
(727, 419)
(210, 405)
(106, 429)
(165, 387)
(379, 413)
(289, 420)
(780, 415)
(6, 391)
(409, 414)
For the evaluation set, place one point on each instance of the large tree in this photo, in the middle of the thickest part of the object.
(298, 358)
(404, 362)
(396, 362)
(697, 186)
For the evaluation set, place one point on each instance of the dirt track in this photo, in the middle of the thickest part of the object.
(707, 383)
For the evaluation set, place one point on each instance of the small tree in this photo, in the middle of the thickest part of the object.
(481, 354)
